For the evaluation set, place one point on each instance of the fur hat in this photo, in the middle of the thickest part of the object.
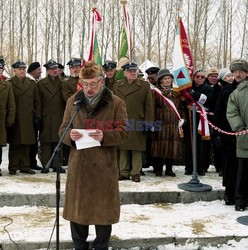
(91, 70)
(162, 73)
(223, 73)
(239, 64)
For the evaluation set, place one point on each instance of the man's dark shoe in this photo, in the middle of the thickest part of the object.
(0, 172)
(62, 171)
(240, 205)
(44, 170)
(142, 173)
(187, 172)
(29, 171)
(136, 178)
(123, 178)
(12, 172)
(170, 173)
(36, 167)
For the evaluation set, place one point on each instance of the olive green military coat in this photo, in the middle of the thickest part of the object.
(92, 192)
(69, 87)
(110, 84)
(139, 102)
(27, 108)
(7, 109)
(52, 108)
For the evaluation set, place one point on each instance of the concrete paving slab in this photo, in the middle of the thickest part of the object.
(143, 226)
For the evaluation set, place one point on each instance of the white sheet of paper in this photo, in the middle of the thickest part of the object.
(86, 141)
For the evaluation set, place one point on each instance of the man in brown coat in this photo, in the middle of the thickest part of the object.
(92, 193)
(138, 97)
(52, 111)
(7, 109)
(22, 134)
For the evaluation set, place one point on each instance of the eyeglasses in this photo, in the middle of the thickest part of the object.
(200, 77)
(91, 85)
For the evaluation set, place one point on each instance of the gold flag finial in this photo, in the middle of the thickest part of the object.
(123, 1)
(94, 3)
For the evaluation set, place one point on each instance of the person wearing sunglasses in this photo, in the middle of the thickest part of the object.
(201, 92)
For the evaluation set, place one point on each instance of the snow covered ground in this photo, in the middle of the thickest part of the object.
(194, 223)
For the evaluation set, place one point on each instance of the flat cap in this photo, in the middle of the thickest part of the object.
(239, 64)
(130, 66)
(152, 70)
(19, 64)
(74, 62)
(33, 66)
(109, 65)
(51, 64)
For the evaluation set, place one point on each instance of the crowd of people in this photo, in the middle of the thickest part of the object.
(140, 130)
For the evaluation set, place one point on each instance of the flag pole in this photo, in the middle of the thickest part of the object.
(145, 57)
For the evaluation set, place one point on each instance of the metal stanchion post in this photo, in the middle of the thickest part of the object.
(194, 184)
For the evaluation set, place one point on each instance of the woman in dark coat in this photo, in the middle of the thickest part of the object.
(202, 93)
(166, 143)
(92, 192)
(227, 143)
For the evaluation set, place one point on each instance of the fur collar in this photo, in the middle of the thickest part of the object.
(105, 98)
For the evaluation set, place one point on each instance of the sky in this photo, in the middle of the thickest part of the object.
(153, 221)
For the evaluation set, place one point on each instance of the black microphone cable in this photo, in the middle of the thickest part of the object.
(11, 221)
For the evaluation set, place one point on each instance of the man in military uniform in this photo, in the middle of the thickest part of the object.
(152, 74)
(7, 109)
(22, 134)
(69, 86)
(138, 97)
(2, 62)
(110, 71)
(52, 111)
(61, 69)
(34, 73)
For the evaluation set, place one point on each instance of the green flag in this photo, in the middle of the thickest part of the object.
(96, 53)
(124, 44)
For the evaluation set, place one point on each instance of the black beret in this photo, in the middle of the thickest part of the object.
(130, 66)
(33, 66)
(50, 64)
(19, 64)
(109, 65)
(74, 62)
(152, 70)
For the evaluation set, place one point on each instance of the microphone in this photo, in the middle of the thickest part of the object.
(78, 102)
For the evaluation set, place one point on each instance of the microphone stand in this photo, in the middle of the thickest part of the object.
(46, 170)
